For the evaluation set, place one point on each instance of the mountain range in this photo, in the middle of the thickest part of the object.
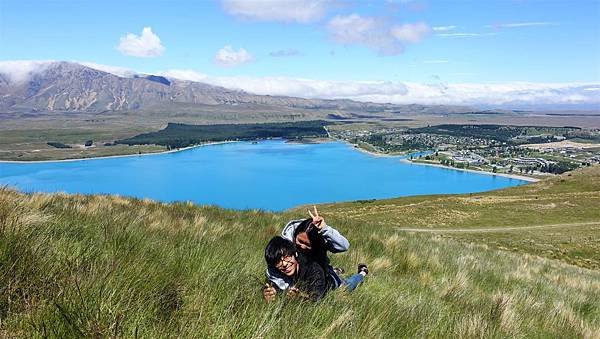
(72, 87)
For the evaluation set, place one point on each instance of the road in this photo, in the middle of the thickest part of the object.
(495, 229)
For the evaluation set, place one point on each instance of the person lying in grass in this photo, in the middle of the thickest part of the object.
(313, 238)
(304, 278)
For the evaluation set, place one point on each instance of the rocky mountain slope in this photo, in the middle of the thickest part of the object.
(71, 87)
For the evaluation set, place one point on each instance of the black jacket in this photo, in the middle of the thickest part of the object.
(311, 278)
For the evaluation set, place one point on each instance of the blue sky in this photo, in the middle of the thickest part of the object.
(412, 41)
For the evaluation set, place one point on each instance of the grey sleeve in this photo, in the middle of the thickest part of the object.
(278, 281)
(336, 242)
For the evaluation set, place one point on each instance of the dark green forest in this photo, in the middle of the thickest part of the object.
(177, 135)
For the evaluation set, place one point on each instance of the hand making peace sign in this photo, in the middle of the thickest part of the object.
(317, 220)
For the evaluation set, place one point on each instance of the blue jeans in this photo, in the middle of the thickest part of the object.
(353, 281)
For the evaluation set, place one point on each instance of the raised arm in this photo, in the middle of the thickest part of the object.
(335, 241)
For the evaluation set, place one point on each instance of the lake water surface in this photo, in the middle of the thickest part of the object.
(272, 175)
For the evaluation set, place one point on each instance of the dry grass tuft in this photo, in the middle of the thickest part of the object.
(393, 242)
(381, 263)
(563, 316)
(32, 219)
(199, 221)
(523, 272)
(456, 287)
(425, 278)
(503, 310)
(433, 261)
(472, 326)
(17, 214)
(575, 282)
(412, 260)
(40, 200)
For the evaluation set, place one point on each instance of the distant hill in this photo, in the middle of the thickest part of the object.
(71, 87)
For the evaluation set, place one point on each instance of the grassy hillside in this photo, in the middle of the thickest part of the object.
(73, 265)
(556, 218)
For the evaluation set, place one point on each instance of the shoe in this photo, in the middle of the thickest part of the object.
(339, 270)
(363, 268)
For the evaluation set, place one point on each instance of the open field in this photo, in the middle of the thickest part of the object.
(575, 244)
(31, 144)
(74, 265)
(564, 144)
(24, 136)
(559, 216)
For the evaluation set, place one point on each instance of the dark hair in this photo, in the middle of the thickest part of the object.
(303, 226)
(277, 248)
(317, 242)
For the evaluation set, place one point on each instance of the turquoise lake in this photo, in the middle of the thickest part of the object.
(271, 175)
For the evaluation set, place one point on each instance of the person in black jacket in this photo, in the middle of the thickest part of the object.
(315, 239)
(307, 278)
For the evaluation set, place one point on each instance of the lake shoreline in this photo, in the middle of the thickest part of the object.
(316, 141)
(116, 156)
(375, 154)
(404, 159)
(242, 175)
(506, 175)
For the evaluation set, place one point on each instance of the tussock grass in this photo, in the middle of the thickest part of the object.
(570, 200)
(108, 266)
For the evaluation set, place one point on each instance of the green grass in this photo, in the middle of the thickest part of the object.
(577, 245)
(568, 199)
(99, 266)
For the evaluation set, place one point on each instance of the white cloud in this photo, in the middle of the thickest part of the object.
(375, 33)
(184, 74)
(301, 11)
(443, 28)
(116, 70)
(411, 33)
(499, 94)
(365, 31)
(228, 57)
(410, 93)
(22, 70)
(18, 71)
(308, 88)
(352, 28)
(146, 45)
(495, 94)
